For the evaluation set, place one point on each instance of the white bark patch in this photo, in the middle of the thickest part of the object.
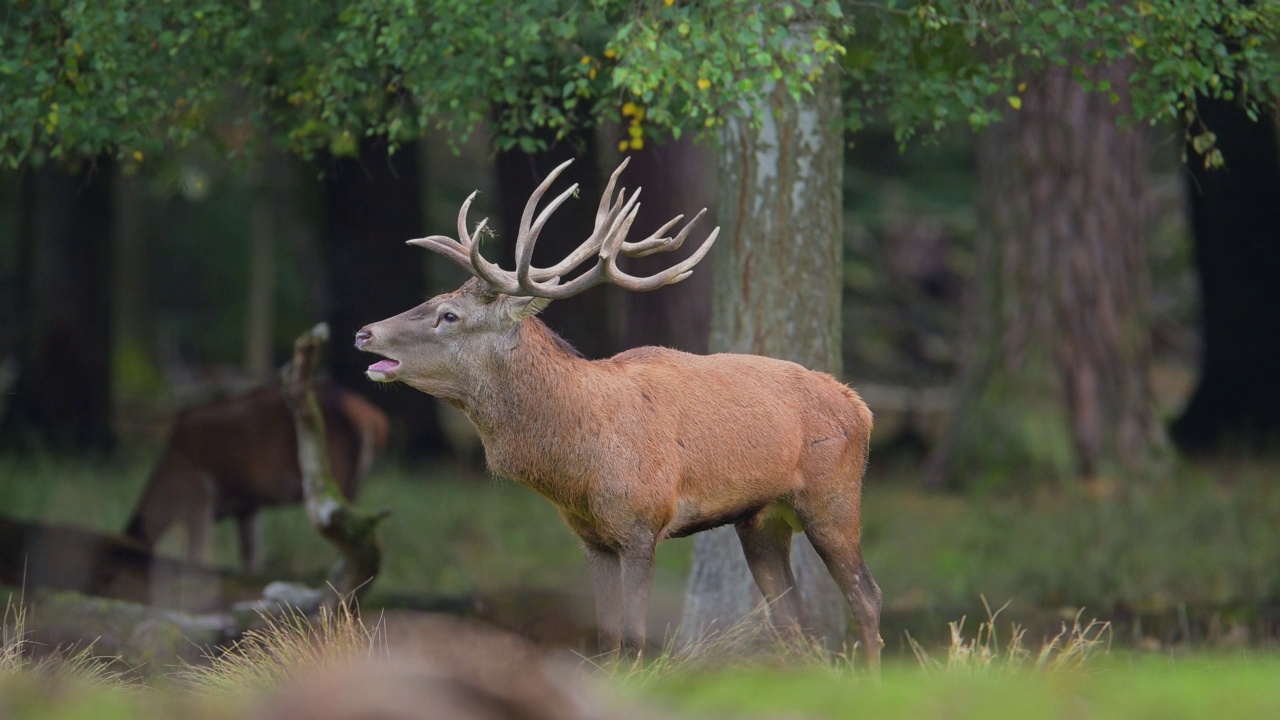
(325, 509)
(767, 157)
(808, 127)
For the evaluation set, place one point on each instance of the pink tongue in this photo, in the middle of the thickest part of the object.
(383, 366)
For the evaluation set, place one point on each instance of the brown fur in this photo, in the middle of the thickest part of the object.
(233, 456)
(649, 444)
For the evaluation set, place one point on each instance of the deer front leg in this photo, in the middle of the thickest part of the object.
(637, 582)
(606, 578)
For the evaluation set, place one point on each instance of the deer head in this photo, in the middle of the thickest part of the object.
(436, 346)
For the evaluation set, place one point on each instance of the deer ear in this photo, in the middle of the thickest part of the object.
(520, 308)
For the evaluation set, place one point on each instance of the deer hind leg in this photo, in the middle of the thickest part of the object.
(199, 524)
(834, 535)
(766, 543)
(247, 523)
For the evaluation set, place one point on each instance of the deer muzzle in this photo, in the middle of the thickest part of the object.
(382, 371)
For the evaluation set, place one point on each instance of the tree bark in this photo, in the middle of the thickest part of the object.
(63, 395)
(678, 179)
(372, 205)
(1054, 381)
(352, 532)
(1235, 216)
(776, 291)
(133, 362)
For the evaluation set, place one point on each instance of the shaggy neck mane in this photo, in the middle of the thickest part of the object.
(550, 336)
(532, 409)
(534, 375)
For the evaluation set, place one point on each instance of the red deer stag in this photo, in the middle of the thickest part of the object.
(235, 455)
(651, 443)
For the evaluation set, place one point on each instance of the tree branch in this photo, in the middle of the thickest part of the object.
(350, 530)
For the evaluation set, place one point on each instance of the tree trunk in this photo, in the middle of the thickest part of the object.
(372, 205)
(1235, 215)
(585, 324)
(678, 179)
(776, 291)
(133, 363)
(63, 395)
(260, 305)
(1054, 378)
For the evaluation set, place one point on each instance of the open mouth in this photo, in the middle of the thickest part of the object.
(383, 370)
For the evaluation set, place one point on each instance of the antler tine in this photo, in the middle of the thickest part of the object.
(529, 236)
(526, 235)
(463, 238)
(599, 237)
(669, 276)
(606, 215)
(499, 280)
(606, 200)
(610, 234)
(465, 252)
(455, 250)
(614, 217)
(655, 243)
(446, 246)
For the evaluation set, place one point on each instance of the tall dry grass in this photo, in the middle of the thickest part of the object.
(288, 645)
(752, 642)
(988, 652)
(60, 669)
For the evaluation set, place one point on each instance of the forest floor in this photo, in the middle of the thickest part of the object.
(1187, 569)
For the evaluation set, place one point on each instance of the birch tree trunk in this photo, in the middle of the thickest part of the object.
(775, 291)
(1054, 380)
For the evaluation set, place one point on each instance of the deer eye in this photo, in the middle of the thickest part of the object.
(449, 317)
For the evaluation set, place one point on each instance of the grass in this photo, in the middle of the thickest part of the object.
(58, 682)
(20, 659)
(1120, 687)
(287, 646)
(990, 670)
(1208, 537)
(1069, 650)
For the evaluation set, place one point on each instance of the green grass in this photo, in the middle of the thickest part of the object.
(450, 532)
(1208, 537)
(1214, 687)
(1120, 687)
(1194, 540)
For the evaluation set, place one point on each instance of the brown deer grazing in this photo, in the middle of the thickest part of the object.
(236, 455)
(651, 443)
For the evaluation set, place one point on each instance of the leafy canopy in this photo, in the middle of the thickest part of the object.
(91, 76)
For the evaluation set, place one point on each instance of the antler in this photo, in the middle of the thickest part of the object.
(606, 242)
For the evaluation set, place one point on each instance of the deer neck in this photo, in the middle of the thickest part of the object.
(532, 412)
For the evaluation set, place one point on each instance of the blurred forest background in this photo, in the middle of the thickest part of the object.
(1055, 230)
